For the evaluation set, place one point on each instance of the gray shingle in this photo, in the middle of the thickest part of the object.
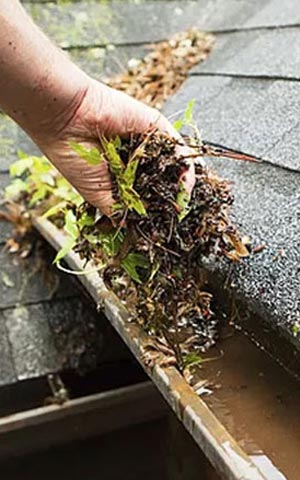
(276, 14)
(7, 372)
(83, 337)
(101, 63)
(5, 228)
(31, 341)
(260, 53)
(20, 285)
(78, 332)
(244, 114)
(287, 147)
(12, 139)
(91, 60)
(54, 336)
(116, 59)
(250, 115)
(4, 181)
(267, 201)
(95, 23)
(218, 15)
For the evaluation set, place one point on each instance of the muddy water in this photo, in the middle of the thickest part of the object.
(259, 403)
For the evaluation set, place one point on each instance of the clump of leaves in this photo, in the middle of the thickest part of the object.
(152, 256)
(36, 185)
(150, 249)
(36, 180)
(159, 75)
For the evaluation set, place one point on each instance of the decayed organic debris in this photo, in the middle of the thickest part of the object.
(159, 75)
(152, 248)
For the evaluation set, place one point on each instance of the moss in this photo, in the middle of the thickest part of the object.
(74, 24)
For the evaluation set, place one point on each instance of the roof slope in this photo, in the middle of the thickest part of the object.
(247, 98)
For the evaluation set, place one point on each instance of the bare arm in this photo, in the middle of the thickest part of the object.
(38, 83)
(56, 102)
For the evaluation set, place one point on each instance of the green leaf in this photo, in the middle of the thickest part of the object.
(130, 171)
(65, 191)
(22, 155)
(182, 201)
(125, 176)
(92, 156)
(295, 329)
(70, 225)
(41, 166)
(55, 209)
(139, 207)
(67, 247)
(178, 124)
(20, 166)
(132, 199)
(14, 190)
(117, 206)
(111, 242)
(48, 179)
(114, 159)
(92, 238)
(154, 271)
(132, 262)
(117, 142)
(192, 359)
(188, 115)
(85, 220)
(39, 194)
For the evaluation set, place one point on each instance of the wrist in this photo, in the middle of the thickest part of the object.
(63, 96)
(56, 93)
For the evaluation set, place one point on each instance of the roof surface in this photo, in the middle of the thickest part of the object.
(247, 98)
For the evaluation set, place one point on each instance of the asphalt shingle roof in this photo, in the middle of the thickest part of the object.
(261, 53)
(247, 98)
(247, 114)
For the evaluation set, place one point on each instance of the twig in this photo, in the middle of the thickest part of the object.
(157, 244)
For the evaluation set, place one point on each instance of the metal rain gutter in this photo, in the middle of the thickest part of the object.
(220, 448)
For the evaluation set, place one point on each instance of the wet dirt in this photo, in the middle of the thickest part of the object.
(258, 403)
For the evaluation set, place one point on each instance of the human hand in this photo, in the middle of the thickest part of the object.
(55, 103)
(102, 112)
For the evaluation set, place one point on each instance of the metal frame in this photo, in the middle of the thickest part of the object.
(222, 451)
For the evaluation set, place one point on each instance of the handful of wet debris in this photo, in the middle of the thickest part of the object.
(150, 251)
(152, 246)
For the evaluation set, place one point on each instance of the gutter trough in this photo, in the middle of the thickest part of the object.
(220, 448)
